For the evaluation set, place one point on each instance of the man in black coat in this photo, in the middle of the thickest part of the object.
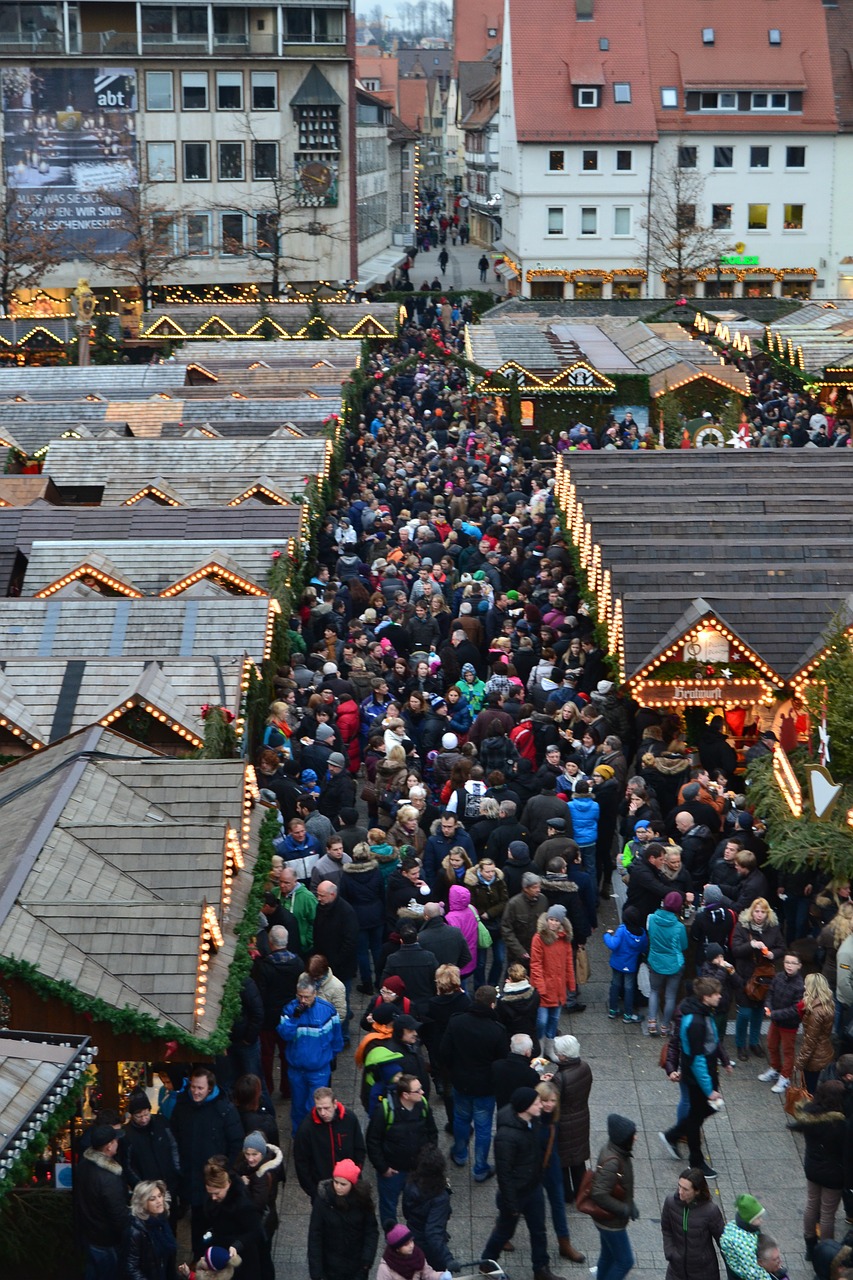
(100, 1202)
(338, 790)
(514, 1072)
(472, 1043)
(518, 1158)
(647, 886)
(336, 938)
(445, 941)
(328, 1133)
(416, 966)
(151, 1152)
(204, 1124)
(275, 976)
(402, 1123)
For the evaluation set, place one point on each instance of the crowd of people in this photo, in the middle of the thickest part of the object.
(463, 794)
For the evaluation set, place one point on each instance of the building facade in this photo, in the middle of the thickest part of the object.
(235, 123)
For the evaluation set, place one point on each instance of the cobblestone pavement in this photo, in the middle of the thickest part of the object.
(747, 1143)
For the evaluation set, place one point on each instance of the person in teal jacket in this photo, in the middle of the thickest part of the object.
(667, 945)
(312, 1035)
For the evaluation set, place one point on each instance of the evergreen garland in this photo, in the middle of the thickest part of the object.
(24, 1164)
(220, 740)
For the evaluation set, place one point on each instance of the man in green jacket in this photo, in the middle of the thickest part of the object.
(302, 904)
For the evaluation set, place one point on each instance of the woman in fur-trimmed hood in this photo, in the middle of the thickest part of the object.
(260, 1168)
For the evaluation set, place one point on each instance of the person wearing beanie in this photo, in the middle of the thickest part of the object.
(150, 1154)
(667, 945)
(337, 790)
(713, 924)
(518, 1162)
(700, 1054)
(740, 1239)
(343, 1233)
(552, 972)
(612, 1189)
(626, 945)
(573, 1081)
(718, 966)
(261, 1170)
(403, 1259)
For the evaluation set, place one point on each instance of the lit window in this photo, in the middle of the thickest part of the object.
(795, 157)
(759, 157)
(621, 221)
(589, 222)
(555, 222)
(556, 161)
(793, 217)
(624, 161)
(590, 162)
(756, 219)
(669, 96)
(622, 91)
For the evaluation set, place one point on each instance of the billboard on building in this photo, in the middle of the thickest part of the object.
(69, 140)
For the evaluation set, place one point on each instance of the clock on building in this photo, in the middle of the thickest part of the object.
(315, 179)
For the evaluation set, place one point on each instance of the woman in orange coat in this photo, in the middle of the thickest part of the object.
(552, 969)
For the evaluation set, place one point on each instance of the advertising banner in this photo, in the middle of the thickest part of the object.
(70, 140)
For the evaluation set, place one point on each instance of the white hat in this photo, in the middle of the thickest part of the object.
(604, 686)
(567, 1047)
(329, 669)
(449, 741)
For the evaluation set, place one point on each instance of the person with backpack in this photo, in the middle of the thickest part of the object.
(465, 801)
(714, 923)
(700, 1054)
(401, 1125)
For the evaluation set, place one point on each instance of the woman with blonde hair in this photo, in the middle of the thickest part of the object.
(816, 1051)
(552, 1173)
(830, 939)
(148, 1251)
(757, 944)
(279, 730)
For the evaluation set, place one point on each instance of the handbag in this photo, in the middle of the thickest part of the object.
(484, 938)
(644, 982)
(758, 985)
(582, 966)
(796, 1093)
(584, 1202)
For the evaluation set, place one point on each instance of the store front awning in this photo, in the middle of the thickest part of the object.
(377, 269)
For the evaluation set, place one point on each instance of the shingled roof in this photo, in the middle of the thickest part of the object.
(761, 541)
(109, 844)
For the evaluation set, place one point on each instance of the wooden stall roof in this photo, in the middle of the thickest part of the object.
(95, 627)
(761, 539)
(85, 894)
(35, 1069)
(110, 382)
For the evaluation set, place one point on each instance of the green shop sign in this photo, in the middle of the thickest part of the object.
(738, 260)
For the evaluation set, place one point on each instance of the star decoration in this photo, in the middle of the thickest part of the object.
(823, 735)
(726, 673)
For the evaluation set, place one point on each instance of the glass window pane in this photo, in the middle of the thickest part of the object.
(194, 90)
(229, 91)
(555, 222)
(589, 222)
(759, 157)
(158, 91)
(198, 234)
(590, 161)
(230, 161)
(233, 234)
(297, 26)
(622, 92)
(669, 97)
(723, 157)
(757, 217)
(556, 161)
(621, 222)
(264, 90)
(156, 20)
(161, 161)
(265, 160)
(795, 157)
(687, 157)
(266, 232)
(793, 217)
(624, 160)
(196, 161)
(721, 216)
(191, 21)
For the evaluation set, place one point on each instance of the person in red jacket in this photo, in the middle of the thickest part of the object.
(348, 723)
(552, 969)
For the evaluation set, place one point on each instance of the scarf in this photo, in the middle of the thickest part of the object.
(405, 1265)
(160, 1233)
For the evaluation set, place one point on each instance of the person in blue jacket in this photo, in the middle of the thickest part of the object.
(312, 1035)
(626, 945)
(585, 814)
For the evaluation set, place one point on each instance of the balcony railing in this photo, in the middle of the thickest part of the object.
(164, 42)
(100, 42)
(36, 41)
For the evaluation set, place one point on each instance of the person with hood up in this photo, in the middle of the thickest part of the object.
(714, 923)
(464, 917)
(626, 945)
(343, 1232)
(385, 855)
(691, 1224)
(472, 687)
(261, 1169)
(667, 944)
(552, 972)
(700, 1052)
(614, 1169)
(497, 751)
(518, 863)
(403, 1259)
(739, 1241)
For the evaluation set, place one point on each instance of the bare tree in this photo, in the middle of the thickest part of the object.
(151, 247)
(678, 242)
(28, 248)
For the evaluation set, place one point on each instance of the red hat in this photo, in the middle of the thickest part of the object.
(347, 1169)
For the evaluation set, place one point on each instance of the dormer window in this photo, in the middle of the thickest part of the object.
(492, 33)
(588, 97)
(770, 102)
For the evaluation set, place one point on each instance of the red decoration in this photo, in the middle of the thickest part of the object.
(206, 709)
(171, 1049)
(276, 555)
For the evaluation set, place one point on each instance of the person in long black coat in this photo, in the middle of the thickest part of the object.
(343, 1232)
(715, 752)
(231, 1221)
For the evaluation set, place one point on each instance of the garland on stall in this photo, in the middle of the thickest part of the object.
(590, 599)
(798, 843)
(129, 1021)
(24, 1163)
(220, 740)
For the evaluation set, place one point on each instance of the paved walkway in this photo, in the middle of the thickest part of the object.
(462, 270)
(747, 1143)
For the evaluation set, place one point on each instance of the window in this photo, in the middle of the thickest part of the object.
(266, 233)
(792, 219)
(229, 26)
(230, 161)
(604, 44)
(759, 157)
(624, 161)
(264, 91)
(313, 26)
(161, 161)
(196, 161)
(724, 157)
(158, 91)
(685, 216)
(265, 159)
(756, 219)
(708, 36)
(233, 237)
(795, 157)
(589, 222)
(669, 96)
(164, 230)
(687, 157)
(492, 33)
(229, 91)
(587, 97)
(774, 35)
(555, 222)
(621, 221)
(194, 90)
(198, 235)
(622, 91)
(718, 102)
(589, 162)
(769, 102)
(405, 160)
(721, 216)
(556, 161)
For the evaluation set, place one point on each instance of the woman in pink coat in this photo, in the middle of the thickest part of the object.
(463, 916)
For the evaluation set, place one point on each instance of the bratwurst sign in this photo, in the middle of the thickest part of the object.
(70, 140)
